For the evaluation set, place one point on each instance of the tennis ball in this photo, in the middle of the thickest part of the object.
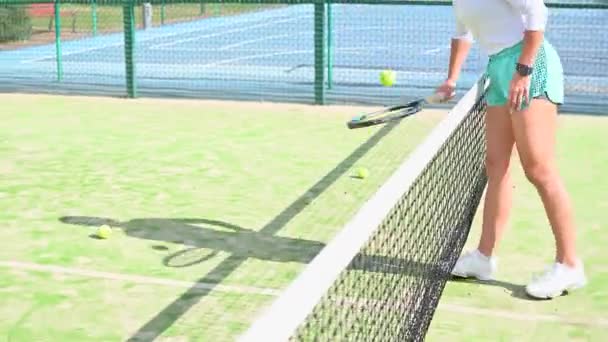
(387, 77)
(362, 172)
(104, 232)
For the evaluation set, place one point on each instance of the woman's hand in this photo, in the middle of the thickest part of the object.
(519, 91)
(447, 90)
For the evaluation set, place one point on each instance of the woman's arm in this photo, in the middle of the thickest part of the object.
(459, 49)
(535, 15)
(532, 42)
(458, 54)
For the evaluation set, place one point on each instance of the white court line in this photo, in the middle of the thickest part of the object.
(435, 50)
(367, 28)
(598, 322)
(585, 49)
(375, 48)
(591, 27)
(462, 309)
(250, 41)
(121, 42)
(178, 50)
(432, 51)
(225, 32)
(237, 59)
(257, 40)
(283, 51)
(134, 278)
(75, 52)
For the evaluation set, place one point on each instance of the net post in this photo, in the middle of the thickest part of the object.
(58, 48)
(330, 52)
(129, 28)
(320, 27)
(94, 16)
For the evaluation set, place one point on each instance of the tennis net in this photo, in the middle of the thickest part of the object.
(382, 276)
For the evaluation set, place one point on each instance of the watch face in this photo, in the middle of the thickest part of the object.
(523, 70)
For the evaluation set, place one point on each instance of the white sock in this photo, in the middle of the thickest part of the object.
(481, 255)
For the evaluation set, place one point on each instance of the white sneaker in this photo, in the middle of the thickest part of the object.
(475, 264)
(556, 280)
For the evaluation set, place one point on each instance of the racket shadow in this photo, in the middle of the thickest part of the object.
(204, 239)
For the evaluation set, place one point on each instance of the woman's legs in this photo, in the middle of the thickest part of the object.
(499, 147)
(534, 129)
(497, 205)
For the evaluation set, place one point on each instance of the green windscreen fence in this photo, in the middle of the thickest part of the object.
(310, 51)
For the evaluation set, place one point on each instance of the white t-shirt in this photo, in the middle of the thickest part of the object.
(498, 24)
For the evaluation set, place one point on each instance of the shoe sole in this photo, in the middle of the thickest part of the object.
(468, 276)
(566, 291)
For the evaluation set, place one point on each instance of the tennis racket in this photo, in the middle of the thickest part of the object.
(393, 113)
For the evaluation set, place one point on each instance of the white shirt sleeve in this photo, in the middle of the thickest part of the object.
(462, 32)
(534, 11)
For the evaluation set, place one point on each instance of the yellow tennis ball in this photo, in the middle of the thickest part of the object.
(388, 77)
(362, 172)
(104, 231)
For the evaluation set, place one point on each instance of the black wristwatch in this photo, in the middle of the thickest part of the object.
(523, 69)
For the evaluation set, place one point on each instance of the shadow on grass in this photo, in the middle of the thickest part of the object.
(204, 241)
(242, 243)
(515, 290)
(207, 237)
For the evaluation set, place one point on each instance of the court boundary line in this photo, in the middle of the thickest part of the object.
(143, 40)
(235, 28)
(226, 48)
(594, 322)
(146, 280)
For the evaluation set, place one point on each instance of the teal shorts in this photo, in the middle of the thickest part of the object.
(547, 79)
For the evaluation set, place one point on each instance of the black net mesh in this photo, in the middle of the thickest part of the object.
(390, 290)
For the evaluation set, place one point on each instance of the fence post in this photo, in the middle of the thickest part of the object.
(330, 44)
(320, 26)
(58, 50)
(94, 16)
(128, 10)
